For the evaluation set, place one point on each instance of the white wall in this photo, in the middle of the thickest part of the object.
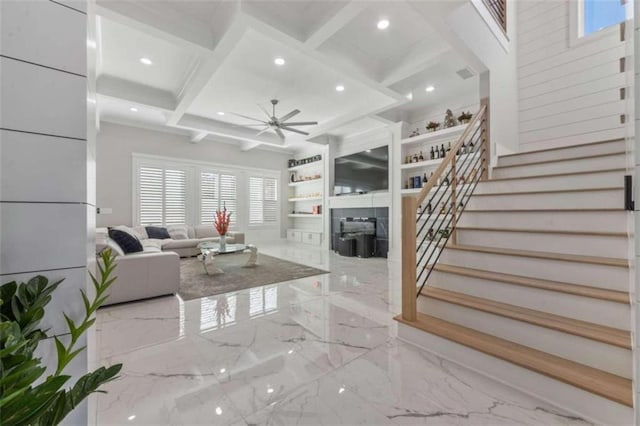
(117, 143)
(568, 94)
(46, 191)
(466, 102)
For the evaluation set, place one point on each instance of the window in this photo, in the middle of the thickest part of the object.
(217, 191)
(599, 14)
(263, 201)
(162, 198)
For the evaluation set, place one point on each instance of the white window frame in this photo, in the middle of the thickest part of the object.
(194, 169)
(270, 225)
(576, 24)
(236, 213)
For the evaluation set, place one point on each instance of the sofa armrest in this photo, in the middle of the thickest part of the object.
(238, 236)
(144, 275)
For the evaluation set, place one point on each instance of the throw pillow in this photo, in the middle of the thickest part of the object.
(157, 232)
(116, 250)
(127, 242)
(178, 232)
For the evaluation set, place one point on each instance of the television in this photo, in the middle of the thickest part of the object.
(362, 172)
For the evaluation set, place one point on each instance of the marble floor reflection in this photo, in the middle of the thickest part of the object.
(316, 351)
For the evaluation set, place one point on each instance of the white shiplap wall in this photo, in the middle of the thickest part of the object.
(568, 94)
(45, 208)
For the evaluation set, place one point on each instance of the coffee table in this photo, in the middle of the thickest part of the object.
(208, 250)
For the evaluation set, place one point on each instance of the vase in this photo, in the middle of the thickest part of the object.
(223, 242)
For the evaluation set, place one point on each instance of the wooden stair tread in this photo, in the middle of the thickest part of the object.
(608, 261)
(562, 147)
(600, 333)
(551, 191)
(586, 172)
(590, 379)
(561, 287)
(559, 160)
(545, 231)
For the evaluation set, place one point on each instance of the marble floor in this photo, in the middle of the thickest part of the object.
(317, 351)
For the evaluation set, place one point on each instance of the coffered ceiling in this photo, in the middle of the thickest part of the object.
(207, 61)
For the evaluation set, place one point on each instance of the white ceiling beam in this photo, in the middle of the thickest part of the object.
(135, 93)
(206, 69)
(221, 128)
(197, 136)
(335, 24)
(248, 146)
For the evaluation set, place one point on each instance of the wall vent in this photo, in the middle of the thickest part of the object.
(465, 73)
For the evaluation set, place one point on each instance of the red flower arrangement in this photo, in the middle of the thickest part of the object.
(222, 221)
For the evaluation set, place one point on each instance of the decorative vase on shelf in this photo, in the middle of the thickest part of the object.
(223, 242)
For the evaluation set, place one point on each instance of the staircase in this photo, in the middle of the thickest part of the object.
(533, 287)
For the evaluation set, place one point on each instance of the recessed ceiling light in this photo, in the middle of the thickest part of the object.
(339, 88)
(430, 88)
(92, 44)
(220, 113)
(130, 418)
(133, 109)
(278, 61)
(368, 150)
(146, 61)
(409, 96)
(383, 24)
(218, 410)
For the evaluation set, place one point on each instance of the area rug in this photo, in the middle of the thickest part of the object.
(195, 283)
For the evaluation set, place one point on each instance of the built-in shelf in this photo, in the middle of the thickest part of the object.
(460, 188)
(304, 182)
(437, 135)
(305, 215)
(306, 166)
(436, 162)
(295, 200)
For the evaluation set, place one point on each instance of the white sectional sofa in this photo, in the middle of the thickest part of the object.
(156, 270)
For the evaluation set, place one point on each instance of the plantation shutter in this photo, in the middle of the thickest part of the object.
(216, 192)
(228, 196)
(162, 196)
(263, 200)
(151, 188)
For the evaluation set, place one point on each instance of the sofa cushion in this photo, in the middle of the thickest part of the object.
(205, 231)
(127, 242)
(178, 232)
(140, 232)
(178, 244)
(152, 245)
(157, 232)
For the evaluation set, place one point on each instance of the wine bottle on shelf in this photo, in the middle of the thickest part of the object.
(470, 147)
(415, 158)
(442, 151)
(420, 157)
(449, 147)
(430, 234)
(463, 149)
(429, 208)
(424, 180)
(432, 154)
(443, 209)
(446, 181)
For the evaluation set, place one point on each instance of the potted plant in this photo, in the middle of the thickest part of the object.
(26, 399)
(465, 117)
(432, 126)
(221, 223)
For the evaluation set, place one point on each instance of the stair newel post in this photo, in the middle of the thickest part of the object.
(409, 244)
(484, 137)
(454, 205)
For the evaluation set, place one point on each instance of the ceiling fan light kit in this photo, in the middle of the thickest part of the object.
(278, 124)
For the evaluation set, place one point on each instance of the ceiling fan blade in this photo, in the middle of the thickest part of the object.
(265, 111)
(263, 130)
(288, 116)
(279, 132)
(301, 123)
(291, 129)
(249, 118)
(250, 125)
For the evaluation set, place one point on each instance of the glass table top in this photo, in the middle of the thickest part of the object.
(230, 248)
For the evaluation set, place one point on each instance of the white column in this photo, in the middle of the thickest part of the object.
(46, 204)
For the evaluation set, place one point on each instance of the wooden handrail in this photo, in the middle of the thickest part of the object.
(450, 156)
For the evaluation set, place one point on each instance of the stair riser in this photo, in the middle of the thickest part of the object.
(564, 200)
(574, 348)
(579, 165)
(581, 181)
(600, 221)
(588, 245)
(597, 409)
(601, 312)
(600, 276)
(569, 152)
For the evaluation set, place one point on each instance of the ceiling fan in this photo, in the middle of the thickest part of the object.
(278, 124)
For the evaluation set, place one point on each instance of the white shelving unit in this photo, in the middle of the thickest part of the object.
(423, 144)
(306, 191)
